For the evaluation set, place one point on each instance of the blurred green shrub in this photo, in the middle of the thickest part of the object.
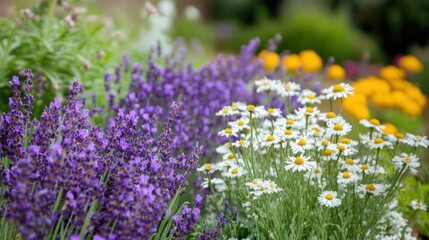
(305, 27)
(59, 41)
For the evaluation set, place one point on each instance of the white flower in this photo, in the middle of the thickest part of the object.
(299, 164)
(307, 112)
(351, 164)
(302, 144)
(286, 135)
(316, 174)
(228, 132)
(240, 124)
(269, 140)
(344, 149)
(372, 124)
(242, 143)
(291, 122)
(365, 168)
(417, 140)
(329, 199)
(341, 90)
(257, 112)
(227, 111)
(274, 112)
(372, 188)
(207, 167)
(338, 127)
(218, 184)
(259, 187)
(416, 205)
(234, 171)
(324, 117)
(308, 97)
(379, 143)
(344, 178)
(290, 89)
(409, 161)
(267, 85)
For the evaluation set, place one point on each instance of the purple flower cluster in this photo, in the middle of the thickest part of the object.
(200, 91)
(114, 182)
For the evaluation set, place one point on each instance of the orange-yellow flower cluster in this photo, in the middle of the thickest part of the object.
(388, 90)
(307, 60)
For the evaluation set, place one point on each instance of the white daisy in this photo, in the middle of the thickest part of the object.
(239, 106)
(315, 174)
(234, 171)
(293, 122)
(274, 112)
(351, 164)
(366, 168)
(218, 184)
(226, 111)
(341, 90)
(307, 112)
(269, 140)
(299, 164)
(372, 188)
(345, 149)
(347, 177)
(329, 199)
(379, 143)
(286, 135)
(240, 124)
(207, 167)
(324, 117)
(242, 143)
(228, 132)
(397, 137)
(416, 140)
(308, 97)
(417, 205)
(289, 89)
(338, 127)
(302, 144)
(372, 124)
(410, 161)
(257, 112)
(267, 85)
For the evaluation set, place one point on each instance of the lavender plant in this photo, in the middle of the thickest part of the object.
(65, 178)
(299, 176)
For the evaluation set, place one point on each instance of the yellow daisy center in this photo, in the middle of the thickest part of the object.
(378, 140)
(270, 111)
(311, 96)
(350, 161)
(234, 106)
(255, 181)
(230, 156)
(346, 175)
(241, 142)
(299, 161)
(302, 142)
(329, 196)
(225, 111)
(407, 159)
(418, 137)
(331, 115)
(338, 88)
(250, 108)
(370, 187)
(317, 170)
(208, 165)
(272, 185)
(266, 83)
(289, 122)
(364, 167)
(325, 143)
(315, 129)
(345, 140)
(288, 132)
(241, 123)
(338, 127)
(288, 88)
(328, 152)
(270, 138)
(375, 122)
(228, 130)
(317, 133)
(310, 110)
(234, 171)
(341, 148)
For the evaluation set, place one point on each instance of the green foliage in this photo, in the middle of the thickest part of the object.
(58, 42)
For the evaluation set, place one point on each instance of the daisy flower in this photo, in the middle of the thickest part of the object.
(299, 164)
(397, 137)
(226, 111)
(379, 143)
(409, 161)
(351, 164)
(207, 167)
(228, 132)
(324, 117)
(242, 143)
(274, 112)
(267, 85)
(239, 106)
(289, 89)
(347, 177)
(234, 171)
(329, 199)
(293, 122)
(338, 127)
(307, 112)
(315, 174)
(218, 184)
(417, 205)
(257, 112)
(286, 135)
(344, 149)
(372, 188)
(416, 140)
(341, 90)
(308, 97)
(302, 144)
(372, 124)
(270, 140)
(240, 124)
(366, 168)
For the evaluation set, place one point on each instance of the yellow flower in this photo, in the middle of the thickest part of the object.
(390, 128)
(411, 64)
(292, 63)
(383, 100)
(357, 111)
(411, 109)
(311, 62)
(270, 60)
(336, 72)
(391, 73)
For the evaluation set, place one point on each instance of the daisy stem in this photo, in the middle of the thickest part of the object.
(341, 106)
(251, 146)
(376, 164)
(331, 105)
